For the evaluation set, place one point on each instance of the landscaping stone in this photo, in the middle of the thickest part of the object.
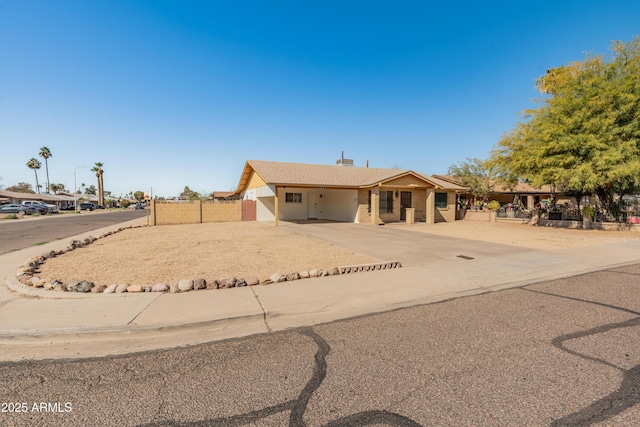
(110, 289)
(241, 283)
(122, 288)
(38, 283)
(98, 289)
(159, 287)
(304, 275)
(50, 284)
(71, 285)
(293, 276)
(227, 282)
(47, 255)
(252, 281)
(134, 288)
(266, 281)
(277, 277)
(146, 289)
(334, 271)
(199, 284)
(59, 287)
(24, 279)
(173, 288)
(214, 284)
(80, 286)
(33, 280)
(30, 263)
(315, 272)
(185, 285)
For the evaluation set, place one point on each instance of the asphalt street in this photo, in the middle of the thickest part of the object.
(565, 352)
(18, 234)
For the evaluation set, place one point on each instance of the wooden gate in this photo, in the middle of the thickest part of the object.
(248, 210)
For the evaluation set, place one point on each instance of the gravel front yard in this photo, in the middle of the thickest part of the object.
(166, 254)
(169, 253)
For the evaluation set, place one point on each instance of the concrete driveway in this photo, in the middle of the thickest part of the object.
(397, 243)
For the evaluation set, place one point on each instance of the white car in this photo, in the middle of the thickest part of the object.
(36, 203)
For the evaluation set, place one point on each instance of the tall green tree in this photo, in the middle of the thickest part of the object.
(189, 193)
(99, 172)
(478, 175)
(139, 196)
(34, 164)
(45, 153)
(21, 187)
(584, 138)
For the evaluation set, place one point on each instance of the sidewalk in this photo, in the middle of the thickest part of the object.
(39, 324)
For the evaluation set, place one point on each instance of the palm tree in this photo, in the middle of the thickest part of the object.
(34, 164)
(98, 170)
(45, 153)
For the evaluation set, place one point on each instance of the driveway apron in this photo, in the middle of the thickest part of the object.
(397, 243)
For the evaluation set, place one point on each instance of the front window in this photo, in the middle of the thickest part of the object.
(293, 198)
(386, 202)
(441, 200)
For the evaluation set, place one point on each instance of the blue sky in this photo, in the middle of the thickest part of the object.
(175, 93)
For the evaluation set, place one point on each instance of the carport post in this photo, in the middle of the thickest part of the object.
(431, 206)
(375, 205)
(277, 213)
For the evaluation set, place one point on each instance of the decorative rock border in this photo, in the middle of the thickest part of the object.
(27, 274)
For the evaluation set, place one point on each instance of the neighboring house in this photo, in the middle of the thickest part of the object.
(225, 195)
(17, 198)
(528, 195)
(295, 191)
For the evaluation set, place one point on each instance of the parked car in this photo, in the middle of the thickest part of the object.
(87, 206)
(17, 209)
(141, 205)
(36, 203)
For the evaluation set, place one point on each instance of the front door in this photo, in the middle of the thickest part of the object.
(312, 206)
(405, 202)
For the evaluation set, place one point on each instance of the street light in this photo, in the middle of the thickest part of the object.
(75, 189)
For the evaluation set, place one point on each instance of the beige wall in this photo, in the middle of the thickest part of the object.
(195, 212)
(362, 215)
(255, 181)
(447, 214)
(221, 212)
(418, 201)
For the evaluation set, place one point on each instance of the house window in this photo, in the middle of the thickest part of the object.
(386, 202)
(293, 198)
(441, 200)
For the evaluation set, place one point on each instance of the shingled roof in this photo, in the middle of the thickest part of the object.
(285, 173)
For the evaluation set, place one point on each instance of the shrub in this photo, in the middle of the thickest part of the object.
(589, 211)
(125, 203)
(11, 216)
(494, 205)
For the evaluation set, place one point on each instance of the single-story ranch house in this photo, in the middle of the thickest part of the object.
(295, 191)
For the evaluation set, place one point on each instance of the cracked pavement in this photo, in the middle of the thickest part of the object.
(564, 352)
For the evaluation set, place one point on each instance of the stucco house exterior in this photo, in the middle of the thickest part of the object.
(528, 195)
(295, 191)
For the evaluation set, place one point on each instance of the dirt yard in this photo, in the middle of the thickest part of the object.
(170, 253)
(524, 235)
(166, 254)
